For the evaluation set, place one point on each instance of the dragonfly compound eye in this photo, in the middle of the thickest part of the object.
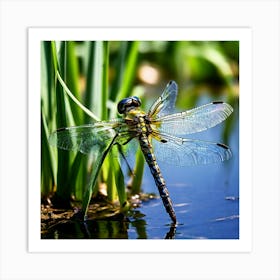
(136, 101)
(127, 104)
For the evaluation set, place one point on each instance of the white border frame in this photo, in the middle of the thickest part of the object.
(262, 16)
(243, 35)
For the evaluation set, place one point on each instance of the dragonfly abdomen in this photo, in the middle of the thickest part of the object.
(146, 148)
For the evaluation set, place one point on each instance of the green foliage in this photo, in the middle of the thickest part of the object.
(65, 103)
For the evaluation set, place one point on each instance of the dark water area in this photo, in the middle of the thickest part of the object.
(205, 199)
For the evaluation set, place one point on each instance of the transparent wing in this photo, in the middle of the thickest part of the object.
(184, 152)
(85, 138)
(195, 120)
(165, 104)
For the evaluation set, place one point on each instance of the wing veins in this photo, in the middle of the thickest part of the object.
(85, 137)
(195, 120)
(184, 152)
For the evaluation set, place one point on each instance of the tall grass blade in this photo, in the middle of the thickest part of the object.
(94, 84)
(47, 175)
(110, 179)
(138, 171)
(71, 95)
(94, 176)
(72, 78)
(96, 99)
(115, 179)
(119, 179)
(48, 163)
(78, 176)
(105, 74)
(47, 81)
(63, 193)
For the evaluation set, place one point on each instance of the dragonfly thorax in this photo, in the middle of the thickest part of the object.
(127, 104)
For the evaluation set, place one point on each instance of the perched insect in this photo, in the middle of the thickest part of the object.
(157, 133)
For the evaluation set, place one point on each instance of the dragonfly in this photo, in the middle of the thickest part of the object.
(159, 133)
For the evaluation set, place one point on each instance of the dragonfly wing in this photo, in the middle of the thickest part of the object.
(195, 120)
(185, 152)
(165, 104)
(84, 138)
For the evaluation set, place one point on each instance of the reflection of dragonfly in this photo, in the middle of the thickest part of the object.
(156, 131)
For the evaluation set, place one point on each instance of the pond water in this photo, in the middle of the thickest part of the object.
(205, 199)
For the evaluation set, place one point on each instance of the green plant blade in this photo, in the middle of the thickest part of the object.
(47, 175)
(138, 171)
(72, 78)
(97, 76)
(94, 176)
(71, 95)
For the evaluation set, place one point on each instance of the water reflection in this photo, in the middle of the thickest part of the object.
(172, 231)
(119, 227)
(196, 223)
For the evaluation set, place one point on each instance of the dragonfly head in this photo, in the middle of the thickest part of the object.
(126, 104)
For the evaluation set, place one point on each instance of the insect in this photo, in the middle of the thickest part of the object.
(158, 133)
